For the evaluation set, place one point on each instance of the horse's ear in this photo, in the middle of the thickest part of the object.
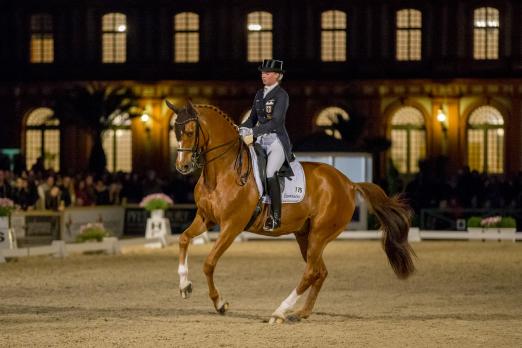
(172, 106)
(191, 108)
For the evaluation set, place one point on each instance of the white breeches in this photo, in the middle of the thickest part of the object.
(275, 152)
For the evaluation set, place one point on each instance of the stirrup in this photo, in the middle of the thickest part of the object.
(271, 224)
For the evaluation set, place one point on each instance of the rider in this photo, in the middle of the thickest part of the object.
(267, 123)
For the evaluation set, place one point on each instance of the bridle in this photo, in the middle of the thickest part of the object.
(198, 158)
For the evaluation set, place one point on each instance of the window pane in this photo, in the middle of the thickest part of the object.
(259, 47)
(33, 146)
(417, 148)
(475, 149)
(399, 148)
(486, 22)
(108, 148)
(495, 150)
(486, 115)
(42, 42)
(52, 149)
(408, 115)
(124, 150)
(114, 38)
(408, 35)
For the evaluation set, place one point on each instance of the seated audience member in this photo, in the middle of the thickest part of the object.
(53, 199)
(23, 196)
(5, 187)
(102, 193)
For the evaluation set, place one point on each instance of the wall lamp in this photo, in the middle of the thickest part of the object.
(146, 121)
(442, 118)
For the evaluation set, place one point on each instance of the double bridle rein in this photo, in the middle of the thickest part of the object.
(198, 158)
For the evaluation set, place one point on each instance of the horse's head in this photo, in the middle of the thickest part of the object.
(187, 130)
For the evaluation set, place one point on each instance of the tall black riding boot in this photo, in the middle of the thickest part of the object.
(274, 190)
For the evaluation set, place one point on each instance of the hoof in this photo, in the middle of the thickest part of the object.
(186, 291)
(276, 320)
(223, 308)
(294, 318)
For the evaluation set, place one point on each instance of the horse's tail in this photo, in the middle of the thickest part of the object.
(394, 216)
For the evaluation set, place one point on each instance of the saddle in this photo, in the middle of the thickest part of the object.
(293, 188)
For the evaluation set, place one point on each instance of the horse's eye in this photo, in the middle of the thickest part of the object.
(189, 134)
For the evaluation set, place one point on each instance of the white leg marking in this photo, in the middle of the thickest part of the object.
(286, 305)
(183, 273)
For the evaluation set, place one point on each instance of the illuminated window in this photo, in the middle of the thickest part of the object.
(173, 143)
(114, 38)
(42, 138)
(329, 117)
(259, 25)
(408, 34)
(486, 140)
(186, 37)
(333, 36)
(408, 138)
(485, 33)
(117, 144)
(42, 41)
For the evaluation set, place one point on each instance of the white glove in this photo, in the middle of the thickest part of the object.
(244, 131)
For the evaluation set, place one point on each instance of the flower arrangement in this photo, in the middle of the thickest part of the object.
(6, 206)
(92, 231)
(492, 222)
(156, 201)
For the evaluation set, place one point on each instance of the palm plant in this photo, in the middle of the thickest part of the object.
(94, 107)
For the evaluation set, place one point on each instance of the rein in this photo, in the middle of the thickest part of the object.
(199, 160)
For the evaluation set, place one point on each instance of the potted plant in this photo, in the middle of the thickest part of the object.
(496, 227)
(92, 232)
(6, 206)
(156, 204)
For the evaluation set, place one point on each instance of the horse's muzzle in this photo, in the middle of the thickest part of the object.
(185, 169)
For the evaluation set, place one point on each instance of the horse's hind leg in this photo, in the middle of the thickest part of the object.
(302, 240)
(307, 308)
(197, 227)
(313, 272)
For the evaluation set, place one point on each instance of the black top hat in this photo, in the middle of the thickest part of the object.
(272, 65)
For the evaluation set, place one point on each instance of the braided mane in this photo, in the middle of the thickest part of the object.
(218, 111)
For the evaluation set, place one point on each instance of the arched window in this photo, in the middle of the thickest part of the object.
(408, 34)
(117, 144)
(259, 25)
(42, 138)
(186, 37)
(408, 138)
(114, 38)
(330, 116)
(486, 140)
(486, 25)
(173, 143)
(42, 39)
(333, 36)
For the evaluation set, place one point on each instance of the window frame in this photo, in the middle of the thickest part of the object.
(259, 43)
(42, 34)
(113, 35)
(409, 30)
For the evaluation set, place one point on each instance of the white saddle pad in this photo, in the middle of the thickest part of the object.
(295, 189)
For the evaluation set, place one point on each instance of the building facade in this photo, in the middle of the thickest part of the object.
(437, 78)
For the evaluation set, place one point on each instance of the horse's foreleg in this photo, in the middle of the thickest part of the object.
(196, 228)
(226, 238)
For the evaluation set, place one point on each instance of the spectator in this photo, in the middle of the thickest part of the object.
(5, 187)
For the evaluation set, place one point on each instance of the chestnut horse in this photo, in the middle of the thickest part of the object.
(226, 194)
